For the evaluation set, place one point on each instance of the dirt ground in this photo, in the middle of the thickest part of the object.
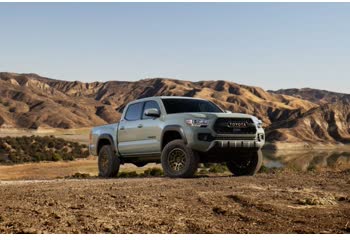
(282, 202)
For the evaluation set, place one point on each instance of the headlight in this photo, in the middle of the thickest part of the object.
(257, 122)
(197, 122)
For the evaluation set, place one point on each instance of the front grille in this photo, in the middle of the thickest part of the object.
(235, 137)
(234, 126)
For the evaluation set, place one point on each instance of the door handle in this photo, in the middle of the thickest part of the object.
(140, 126)
(122, 128)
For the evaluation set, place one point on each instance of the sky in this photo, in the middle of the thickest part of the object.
(271, 45)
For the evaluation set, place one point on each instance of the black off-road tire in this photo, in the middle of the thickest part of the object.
(108, 162)
(247, 164)
(191, 160)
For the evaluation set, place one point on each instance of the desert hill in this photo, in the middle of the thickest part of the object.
(315, 95)
(32, 101)
(328, 122)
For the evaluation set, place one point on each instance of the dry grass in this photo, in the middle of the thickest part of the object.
(61, 169)
(80, 135)
(48, 170)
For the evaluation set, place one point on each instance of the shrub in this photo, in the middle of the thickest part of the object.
(36, 149)
(203, 171)
(154, 172)
(56, 157)
(132, 174)
(265, 169)
(38, 157)
(218, 168)
(207, 165)
(50, 144)
(80, 175)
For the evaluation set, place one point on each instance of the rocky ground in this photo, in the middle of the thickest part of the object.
(280, 202)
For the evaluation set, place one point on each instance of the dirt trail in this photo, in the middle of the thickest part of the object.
(284, 202)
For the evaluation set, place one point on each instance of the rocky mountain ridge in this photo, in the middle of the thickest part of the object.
(292, 115)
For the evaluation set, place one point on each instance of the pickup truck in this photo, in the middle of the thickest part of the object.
(179, 133)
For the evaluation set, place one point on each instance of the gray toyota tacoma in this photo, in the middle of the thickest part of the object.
(180, 133)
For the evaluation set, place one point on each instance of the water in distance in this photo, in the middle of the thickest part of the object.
(308, 160)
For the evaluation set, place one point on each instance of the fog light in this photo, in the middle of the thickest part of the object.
(204, 137)
(261, 137)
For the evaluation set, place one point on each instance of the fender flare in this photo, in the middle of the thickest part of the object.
(106, 137)
(176, 128)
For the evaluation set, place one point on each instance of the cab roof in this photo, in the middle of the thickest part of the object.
(167, 97)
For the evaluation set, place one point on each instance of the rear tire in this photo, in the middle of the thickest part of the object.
(178, 160)
(108, 162)
(245, 164)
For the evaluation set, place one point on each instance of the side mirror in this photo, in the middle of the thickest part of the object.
(227, 111)
(152, 112)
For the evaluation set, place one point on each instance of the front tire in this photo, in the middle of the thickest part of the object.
(246, 164)
(178, 160)
(108, 162)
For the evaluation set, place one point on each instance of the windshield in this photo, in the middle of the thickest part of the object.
(173, 105)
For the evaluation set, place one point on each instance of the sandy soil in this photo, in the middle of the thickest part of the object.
(282, 202)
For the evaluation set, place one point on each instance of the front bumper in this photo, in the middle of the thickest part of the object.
(234, 144)
(225, 142)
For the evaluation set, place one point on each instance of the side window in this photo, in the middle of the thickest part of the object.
(134, 112)
(148, 105)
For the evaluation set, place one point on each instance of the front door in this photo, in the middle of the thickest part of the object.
(151, 129)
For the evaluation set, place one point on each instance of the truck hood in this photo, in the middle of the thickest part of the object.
(217, 115)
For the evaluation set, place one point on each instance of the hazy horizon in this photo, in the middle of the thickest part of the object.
(270, 45)
(120, 80)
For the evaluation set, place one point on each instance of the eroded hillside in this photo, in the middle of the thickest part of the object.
(32, 101)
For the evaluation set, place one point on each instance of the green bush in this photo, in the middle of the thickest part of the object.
(132, 174)
(38, 157)
(56, 157)
(153, 172)
(80, 175)
(50, 144)
(203, 171)
(36, 149)
(218, 168)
